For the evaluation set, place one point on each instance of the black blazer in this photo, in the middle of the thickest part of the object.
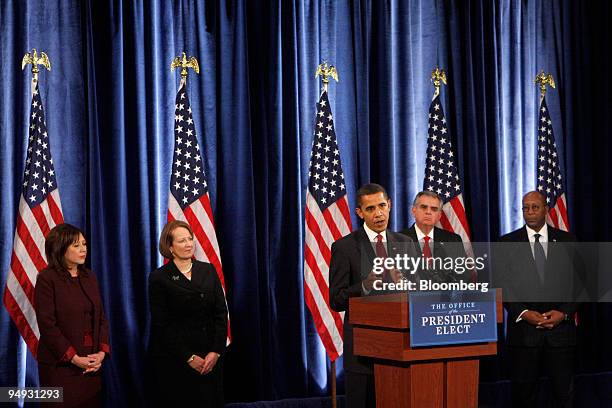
(446, 244)
(352, 259)
(515, 271)
(440, 236)
(187, 317)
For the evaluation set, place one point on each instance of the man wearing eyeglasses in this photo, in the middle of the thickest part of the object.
(541, 332)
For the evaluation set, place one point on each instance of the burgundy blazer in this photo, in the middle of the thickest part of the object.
(60, 319)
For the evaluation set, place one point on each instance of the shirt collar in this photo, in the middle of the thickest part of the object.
(420, 234)
(543, 233)
(372, 235)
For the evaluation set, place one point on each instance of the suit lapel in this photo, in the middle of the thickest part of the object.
(177, 278)
(364, 244)
(412, 234)
(438, 241)
(553, 236)
(392, 246)
(527, 253)
(438, 244)
(553, 252)
(197, 276)
(86, 284)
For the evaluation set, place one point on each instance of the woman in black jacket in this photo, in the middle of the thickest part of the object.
(188, 324)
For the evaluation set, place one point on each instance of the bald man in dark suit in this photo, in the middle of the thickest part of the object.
(536, 271)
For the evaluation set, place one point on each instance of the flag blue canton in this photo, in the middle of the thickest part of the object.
(188, 181)
(326, 180)
(550, 182)
(39, 178)
(441, 175)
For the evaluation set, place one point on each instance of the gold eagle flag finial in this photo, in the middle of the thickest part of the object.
(542, 80)
(184, 63)
(35, 60)
(326, 71)
(438, 75)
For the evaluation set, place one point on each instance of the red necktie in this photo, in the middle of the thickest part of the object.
(381, 252)
(426, 248)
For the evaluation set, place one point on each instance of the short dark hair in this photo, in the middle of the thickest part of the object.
(58, 240)
(166, 238)
(369, 189)
(427, 193)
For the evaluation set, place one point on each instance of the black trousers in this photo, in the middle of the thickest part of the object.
(527, 365)
(360, 392)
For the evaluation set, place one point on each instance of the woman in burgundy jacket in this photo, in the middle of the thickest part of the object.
(73, 329)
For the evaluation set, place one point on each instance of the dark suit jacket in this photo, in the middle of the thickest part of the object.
(187, 317)
(446, 244)
(352, 258)
(60, 315)
(516, 273)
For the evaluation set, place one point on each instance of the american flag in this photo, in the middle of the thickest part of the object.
(327, 219)
(550, 182)
(40, 210)
(189, 200)
(442, 177)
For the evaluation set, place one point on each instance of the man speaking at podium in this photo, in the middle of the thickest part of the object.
(351, 275)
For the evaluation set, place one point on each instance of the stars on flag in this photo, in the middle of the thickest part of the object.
(187, 182)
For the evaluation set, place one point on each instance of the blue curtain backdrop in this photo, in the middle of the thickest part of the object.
(109, 104)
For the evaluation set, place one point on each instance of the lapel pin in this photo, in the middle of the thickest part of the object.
(175, 277)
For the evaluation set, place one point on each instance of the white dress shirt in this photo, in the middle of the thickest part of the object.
(543, 240)
(421, 238)
(372, 237)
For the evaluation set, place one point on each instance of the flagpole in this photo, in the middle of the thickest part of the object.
(192, 177)
(184, 63)
(557, 213)
(542, 80)
(326, 71)
(333, 383)
(22, 350)
(437, 75)
(454, 217)
(35, 60)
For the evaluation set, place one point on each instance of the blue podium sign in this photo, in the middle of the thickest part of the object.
(452, 317)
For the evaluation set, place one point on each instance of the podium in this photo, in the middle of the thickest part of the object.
(423, 377)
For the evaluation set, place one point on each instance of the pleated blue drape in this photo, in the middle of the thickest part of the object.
(109, 103)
